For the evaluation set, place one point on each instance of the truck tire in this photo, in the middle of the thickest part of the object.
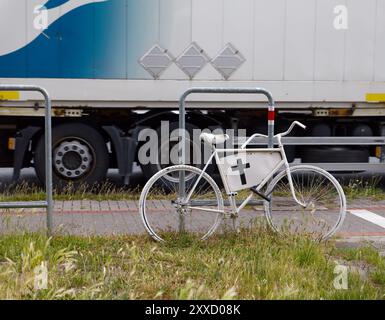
(150, 169)
(290, 153)
(80, 156)
(335, 155)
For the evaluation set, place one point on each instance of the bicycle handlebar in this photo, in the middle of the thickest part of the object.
(283, 134)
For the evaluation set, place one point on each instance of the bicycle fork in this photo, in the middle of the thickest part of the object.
(289, 177)
(288, 173)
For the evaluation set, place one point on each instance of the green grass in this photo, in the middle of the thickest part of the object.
(254, 264)
(369, 257)
(364, 188)
(104, 191)
(354, 189)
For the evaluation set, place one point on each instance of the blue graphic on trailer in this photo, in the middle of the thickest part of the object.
(54, 3)
(99, 39)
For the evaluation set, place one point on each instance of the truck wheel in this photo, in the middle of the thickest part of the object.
(290, 153)
(80, 156)
(195, 146)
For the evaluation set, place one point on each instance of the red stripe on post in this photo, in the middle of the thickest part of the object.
(271, 116)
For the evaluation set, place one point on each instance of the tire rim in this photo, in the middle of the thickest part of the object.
(73, 159)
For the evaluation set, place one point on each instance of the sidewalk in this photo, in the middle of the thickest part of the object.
(122, 217)
(90, 218)
(78, 217)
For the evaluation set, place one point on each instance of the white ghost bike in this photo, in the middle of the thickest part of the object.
(299, 199)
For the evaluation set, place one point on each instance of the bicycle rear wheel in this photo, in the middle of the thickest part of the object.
(323, 196)
(167, 217)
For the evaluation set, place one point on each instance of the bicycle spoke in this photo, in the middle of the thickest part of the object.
(168, 215)
(321, 195)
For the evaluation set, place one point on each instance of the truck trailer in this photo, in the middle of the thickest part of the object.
(116, 67)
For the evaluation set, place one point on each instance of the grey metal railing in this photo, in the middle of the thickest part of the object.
(182, 109)
(182, 126)
(48, 203)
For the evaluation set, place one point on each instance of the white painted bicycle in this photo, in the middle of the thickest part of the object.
(299, 199)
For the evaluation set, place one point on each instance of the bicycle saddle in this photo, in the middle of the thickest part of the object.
(212, 139)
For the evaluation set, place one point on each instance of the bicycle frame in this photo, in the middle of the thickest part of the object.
(235, 210)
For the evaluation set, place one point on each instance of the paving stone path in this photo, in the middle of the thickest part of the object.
(122, 217)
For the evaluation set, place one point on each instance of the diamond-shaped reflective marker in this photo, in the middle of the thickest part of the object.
(156, 61)
(192, 60)
(228, 61)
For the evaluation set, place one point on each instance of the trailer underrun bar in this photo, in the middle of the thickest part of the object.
(331, 141)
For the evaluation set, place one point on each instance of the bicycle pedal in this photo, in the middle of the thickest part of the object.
(230, 215)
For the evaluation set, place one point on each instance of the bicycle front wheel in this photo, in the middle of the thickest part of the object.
(324, 203)
(167, 215)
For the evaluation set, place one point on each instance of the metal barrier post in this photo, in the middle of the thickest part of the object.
(48, 203)
(182, 126)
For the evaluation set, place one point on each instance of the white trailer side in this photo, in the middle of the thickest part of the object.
(104, 60)
(291, 47)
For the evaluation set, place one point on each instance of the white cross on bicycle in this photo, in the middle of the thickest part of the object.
(240, 168)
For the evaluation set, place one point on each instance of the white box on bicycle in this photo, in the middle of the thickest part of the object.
(243, 169)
